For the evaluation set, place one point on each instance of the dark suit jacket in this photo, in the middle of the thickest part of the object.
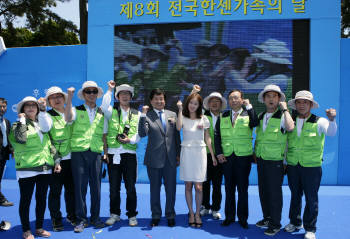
(161, 145)
(5, 151)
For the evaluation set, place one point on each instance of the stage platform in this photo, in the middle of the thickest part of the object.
(334, 214)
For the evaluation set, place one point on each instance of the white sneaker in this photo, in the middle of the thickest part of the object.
(204, 211)
(292, 228)
(132, 221)
(216, 215)
(310, 235)
(114, 218)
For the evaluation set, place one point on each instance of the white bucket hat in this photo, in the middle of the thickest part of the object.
(212, 95)
(24, 100)
(274, 51)
(88, 84)
(303, 95)
(124, 87)
(55, 90)
(268, 88)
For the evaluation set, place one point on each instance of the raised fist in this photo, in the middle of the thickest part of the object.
(111, 84)
(246, 102)
(196, 89)
(145, 108)
(21, 115)
(70, 91)
(179, 105)
(42, 104)
(283, 105)
(331, 114)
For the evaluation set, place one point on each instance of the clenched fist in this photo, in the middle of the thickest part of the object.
(111, 85)
(42, 104)
(145, 108)
(179, 105)
(246, 102)
(71, 91)
(331, 114)
(283, 105)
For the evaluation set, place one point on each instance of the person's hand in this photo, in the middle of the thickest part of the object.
(57, 168)
(111, 85)
(105, 158)
(124, 140)
(195, 89)
(21, 115)
(283, 105)
(177, 161)
(145, 109)
(246, 102)
(331, 114)
(179, 105)
(221, 158)
(70, 91)
(215, 162)
(42, 104)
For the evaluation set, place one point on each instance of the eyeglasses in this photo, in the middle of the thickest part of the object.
(90, 92)
(55, 97)
(32, 105)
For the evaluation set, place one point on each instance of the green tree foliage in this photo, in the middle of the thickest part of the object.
(44, 27)
(345, 18)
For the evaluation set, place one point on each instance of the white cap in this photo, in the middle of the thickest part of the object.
(268, 88)
(303, 95)
(54, 90)
(25, 100)
(212, 95)
(88, 84)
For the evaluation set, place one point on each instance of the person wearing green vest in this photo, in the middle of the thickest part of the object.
(60, 134)
(86, 146)
(213, 105)
(233, 147)
(122, 138)
(304, 159)
(34, 160)
(270, 145)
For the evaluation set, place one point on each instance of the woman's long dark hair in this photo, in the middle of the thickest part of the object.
(185, 110)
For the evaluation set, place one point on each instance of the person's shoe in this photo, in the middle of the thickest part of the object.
(27, 235)
(154, 222)
(132, 221)
(198, 220)
(72, 220)
(98, 224)
(79, 227)
(5, 226)
(243, 224)
(216, 215)
(42, 233)
(264, 223)
(6, 203)
(171, 222)
(57, 225)
(113, 219)
(271, 231)
(204, 211)
(227, 222)
(310, 235)
(292, 228)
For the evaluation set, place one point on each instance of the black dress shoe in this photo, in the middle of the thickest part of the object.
(154, 222)
(227, 222)
(243, 224)
(171, 222)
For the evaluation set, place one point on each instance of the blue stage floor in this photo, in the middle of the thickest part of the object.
(334, 215)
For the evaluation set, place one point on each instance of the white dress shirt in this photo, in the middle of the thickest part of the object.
(3, 131)
(324, 126)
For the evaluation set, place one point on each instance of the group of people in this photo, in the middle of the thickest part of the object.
(66, 147)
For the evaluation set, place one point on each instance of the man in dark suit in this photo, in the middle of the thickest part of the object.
(5, 147)
(162, 154)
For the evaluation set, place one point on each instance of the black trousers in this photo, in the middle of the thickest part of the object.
(214, 176)
(58, 180)
(126, 170)
(304, 180)
(270, 179)
(236, 174)
(26, 187)
(2, 168)
(86, 169)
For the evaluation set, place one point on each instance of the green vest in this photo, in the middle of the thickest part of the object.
(86, 135)
(271, 144)
(34, 153)
(60, 133)
(237, 139)
(116, 126)
(211, 130)
(307, 149)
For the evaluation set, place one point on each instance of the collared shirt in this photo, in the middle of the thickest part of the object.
(234, 112)
(214, 118)
(163, 114)
(91, 113)
(3, 131)
(268, 116)
(329, 128)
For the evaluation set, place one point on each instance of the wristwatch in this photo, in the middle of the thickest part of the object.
(284, 110)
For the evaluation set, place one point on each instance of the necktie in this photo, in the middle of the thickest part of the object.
(234, 119)
(161, 120)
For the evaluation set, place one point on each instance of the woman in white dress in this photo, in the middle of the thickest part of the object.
(193, 157)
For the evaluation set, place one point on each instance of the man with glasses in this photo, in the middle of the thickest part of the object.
(86, 146)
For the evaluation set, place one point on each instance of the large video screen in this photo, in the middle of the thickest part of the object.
(218, 56)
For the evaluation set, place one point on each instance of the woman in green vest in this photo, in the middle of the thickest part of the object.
(304, 158)
(270, 145)
(34, 163)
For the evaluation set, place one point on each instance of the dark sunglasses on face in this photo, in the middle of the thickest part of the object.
(90, 92)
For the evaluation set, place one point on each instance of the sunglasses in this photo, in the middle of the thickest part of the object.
(90, 92)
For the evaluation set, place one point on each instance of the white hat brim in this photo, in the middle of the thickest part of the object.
(206, 102)
(124, 88)
(25, 100)
(261, 95)
(99, 94)
(65, 95)
(291, 103)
